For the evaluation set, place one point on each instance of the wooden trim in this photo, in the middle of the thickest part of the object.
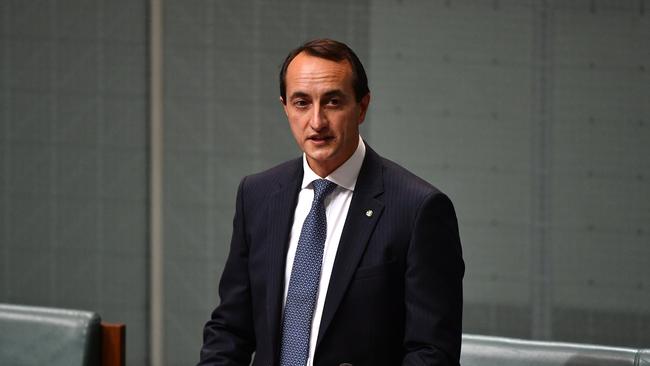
(113, 344)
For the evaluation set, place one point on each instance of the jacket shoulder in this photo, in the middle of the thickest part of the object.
(403, 182)
(267, 181)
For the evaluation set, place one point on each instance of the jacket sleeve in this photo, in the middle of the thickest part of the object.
(433, 286)
(229, 337)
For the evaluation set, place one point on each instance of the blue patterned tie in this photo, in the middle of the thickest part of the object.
(305, 276)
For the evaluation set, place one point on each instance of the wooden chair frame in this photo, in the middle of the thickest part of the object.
(113, 344)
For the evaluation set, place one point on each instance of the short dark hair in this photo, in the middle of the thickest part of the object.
(332, 50)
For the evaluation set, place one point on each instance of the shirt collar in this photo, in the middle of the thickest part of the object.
(344, 176)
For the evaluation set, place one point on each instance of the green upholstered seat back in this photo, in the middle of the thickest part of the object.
(644, 357)
(498, 351)
(44, 336)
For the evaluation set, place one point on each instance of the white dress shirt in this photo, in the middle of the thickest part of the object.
(337, 205)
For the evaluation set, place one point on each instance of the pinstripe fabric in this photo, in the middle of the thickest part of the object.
(395, 293)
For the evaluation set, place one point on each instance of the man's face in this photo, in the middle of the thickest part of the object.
(323, 113)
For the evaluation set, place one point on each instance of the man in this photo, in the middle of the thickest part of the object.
(340, 257)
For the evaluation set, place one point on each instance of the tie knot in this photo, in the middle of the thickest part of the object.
(322, 188)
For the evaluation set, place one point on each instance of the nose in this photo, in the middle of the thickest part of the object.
(318, 120)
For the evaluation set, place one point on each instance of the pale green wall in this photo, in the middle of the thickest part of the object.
(73, 159)
(532, 115)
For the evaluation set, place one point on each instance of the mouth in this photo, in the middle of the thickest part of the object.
(320, 139)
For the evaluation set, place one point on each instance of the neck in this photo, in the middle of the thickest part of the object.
(322, 170)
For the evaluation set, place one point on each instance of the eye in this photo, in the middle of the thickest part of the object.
(334, 102)
(300, 103)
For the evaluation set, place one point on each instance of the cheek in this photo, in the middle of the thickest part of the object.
(350, 124)
(296, 120)
(296, 128)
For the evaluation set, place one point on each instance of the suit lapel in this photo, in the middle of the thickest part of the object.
(282, 204)
(365, 210)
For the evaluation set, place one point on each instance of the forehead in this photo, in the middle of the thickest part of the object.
(309, 72)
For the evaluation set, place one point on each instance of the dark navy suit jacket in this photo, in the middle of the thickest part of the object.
(395, 294)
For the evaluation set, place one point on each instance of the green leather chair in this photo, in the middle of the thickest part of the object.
(498, 351)
(32, 335)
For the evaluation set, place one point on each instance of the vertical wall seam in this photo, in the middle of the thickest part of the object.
(257, 145)
(53, 188)
(156, 296)
(211, 127)
(99, 157)
(6, 295)
(542, 123)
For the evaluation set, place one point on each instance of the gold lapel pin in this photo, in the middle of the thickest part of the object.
(369, 213)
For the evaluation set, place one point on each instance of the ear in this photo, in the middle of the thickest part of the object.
(284, 106)
(363, 104)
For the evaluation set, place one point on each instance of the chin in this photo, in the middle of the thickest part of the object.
(320, 152)
(319, 158)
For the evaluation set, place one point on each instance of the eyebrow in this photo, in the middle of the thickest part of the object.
(334, 93)
(329, 94)
(298, 94)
